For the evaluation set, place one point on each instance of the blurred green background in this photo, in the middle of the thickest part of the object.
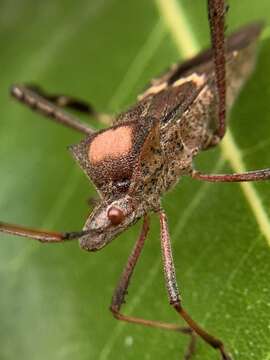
(54, 299)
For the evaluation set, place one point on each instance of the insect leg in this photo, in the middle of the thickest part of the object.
(216, 15)
(48, 108)
(43, 236)
(72, 103)
(121, 290)
(173, 293)
(257, 175)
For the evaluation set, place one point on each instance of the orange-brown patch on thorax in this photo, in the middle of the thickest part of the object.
(112, 143)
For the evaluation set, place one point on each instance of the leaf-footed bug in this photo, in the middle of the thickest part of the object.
(148, 148)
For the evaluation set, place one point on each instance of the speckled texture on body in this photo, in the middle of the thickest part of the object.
(174, 119)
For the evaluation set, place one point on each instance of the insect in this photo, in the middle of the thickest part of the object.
(148, 148)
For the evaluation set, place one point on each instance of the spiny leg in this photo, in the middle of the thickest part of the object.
(173, 293)
(42, 236)
(72, 103)
(257, 175)
(121, 290)
(216, 15)
(49, 109)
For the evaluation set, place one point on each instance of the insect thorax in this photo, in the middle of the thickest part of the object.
(152, 145)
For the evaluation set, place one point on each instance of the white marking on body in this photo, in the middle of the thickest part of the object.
(199, 80)
(153, 90)
(112, 143)
(235, 53)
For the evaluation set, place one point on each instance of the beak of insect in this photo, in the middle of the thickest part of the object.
(104, 225)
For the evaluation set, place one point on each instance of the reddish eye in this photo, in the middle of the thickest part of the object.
(115, 215)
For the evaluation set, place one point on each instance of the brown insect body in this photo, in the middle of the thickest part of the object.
(153, 144)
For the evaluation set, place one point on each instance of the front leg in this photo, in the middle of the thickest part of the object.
(173, 293)
(51, 107)
(72, 103)
(121, 290)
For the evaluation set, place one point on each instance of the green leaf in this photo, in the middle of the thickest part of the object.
(54, 299)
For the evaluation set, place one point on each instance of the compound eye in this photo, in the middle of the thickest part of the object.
(115, 215)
